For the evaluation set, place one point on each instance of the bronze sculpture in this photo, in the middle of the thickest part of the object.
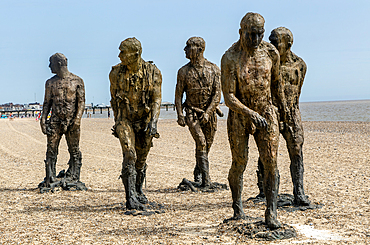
(249, 79)
(292, 71)
(135, 87)
(200, 81)
(65, 100)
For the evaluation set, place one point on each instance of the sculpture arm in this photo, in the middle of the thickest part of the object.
(113, 92)
(46, 107)
(156, 101)
(80, 94)
(179, 92)
(216, 93)
(303, 70)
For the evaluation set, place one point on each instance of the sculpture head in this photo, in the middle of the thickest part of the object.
(282, 39)
(194, 48)
(56, 62)
(130, 51)
(251, 31)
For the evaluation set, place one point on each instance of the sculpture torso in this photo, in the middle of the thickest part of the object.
(292, 74)
(63, 95)
(252, 74)
(133, 91)
(199, 83)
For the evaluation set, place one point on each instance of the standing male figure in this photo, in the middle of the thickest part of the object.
(292, 71)
(135, 87)
(249, 73)
(200, 81)
(65, 100)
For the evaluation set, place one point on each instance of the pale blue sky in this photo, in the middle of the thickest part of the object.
(331, 36)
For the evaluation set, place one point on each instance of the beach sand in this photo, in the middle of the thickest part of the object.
(337, 174)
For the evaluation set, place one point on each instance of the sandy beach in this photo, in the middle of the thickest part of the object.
(337, 174)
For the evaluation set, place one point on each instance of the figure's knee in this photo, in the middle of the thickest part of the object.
(140, 164)
(129, 157)
(236, 170)
(201, 144)
(52, 152)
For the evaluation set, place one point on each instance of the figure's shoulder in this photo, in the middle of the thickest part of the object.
(231, 56)
(149, 65)
(184, 69)
(114, 71)
(212, 66)
(78, 80)
(270, 49)
(298, 60)
(116, 68)
(233, 51)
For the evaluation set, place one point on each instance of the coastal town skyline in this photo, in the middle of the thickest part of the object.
(332, 41)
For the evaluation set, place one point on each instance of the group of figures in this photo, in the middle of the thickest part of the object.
(261, 83)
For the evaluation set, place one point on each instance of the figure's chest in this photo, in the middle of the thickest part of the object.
(63, 88)
(290, 74)
(255, 70)
(201, 78)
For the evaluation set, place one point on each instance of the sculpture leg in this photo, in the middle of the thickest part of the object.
(260, 176)
(51, 157)
(294, 140)
(75, 161)
(140, 177)
(126, 136)
(238, 139)
(202, 159)
(197, 173)
(201, 156)
(267, 141)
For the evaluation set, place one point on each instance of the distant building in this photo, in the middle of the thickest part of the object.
(33, 106)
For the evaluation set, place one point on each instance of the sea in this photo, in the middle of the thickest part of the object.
(349, 110)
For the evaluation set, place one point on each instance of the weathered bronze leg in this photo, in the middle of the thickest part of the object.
(197, 173)
(236, 186)
(238, 139)
(260, 179)
(294, 140)
(296, 170)
(202, 159)
(129, 180)
(267, 140)
(140, 177)
(75, 160)
(127, 139)
(271, 187)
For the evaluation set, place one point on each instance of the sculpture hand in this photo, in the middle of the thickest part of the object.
(76, 123)
(258, 120)
(114, 132)
(181, 121)
(204, 118)
(152, 127)
(44, 129)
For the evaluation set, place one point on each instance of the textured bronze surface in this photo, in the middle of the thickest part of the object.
(292, 73)
(249, 79)
(199, 80)
(65, 101)
(135, 87)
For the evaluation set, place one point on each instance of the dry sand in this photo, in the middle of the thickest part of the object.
(336, 156)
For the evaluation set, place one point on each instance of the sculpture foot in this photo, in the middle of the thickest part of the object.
(142, 198)
(272, 222)
(133, 203)
(261, 195)
(301, 201)
(238, 211)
